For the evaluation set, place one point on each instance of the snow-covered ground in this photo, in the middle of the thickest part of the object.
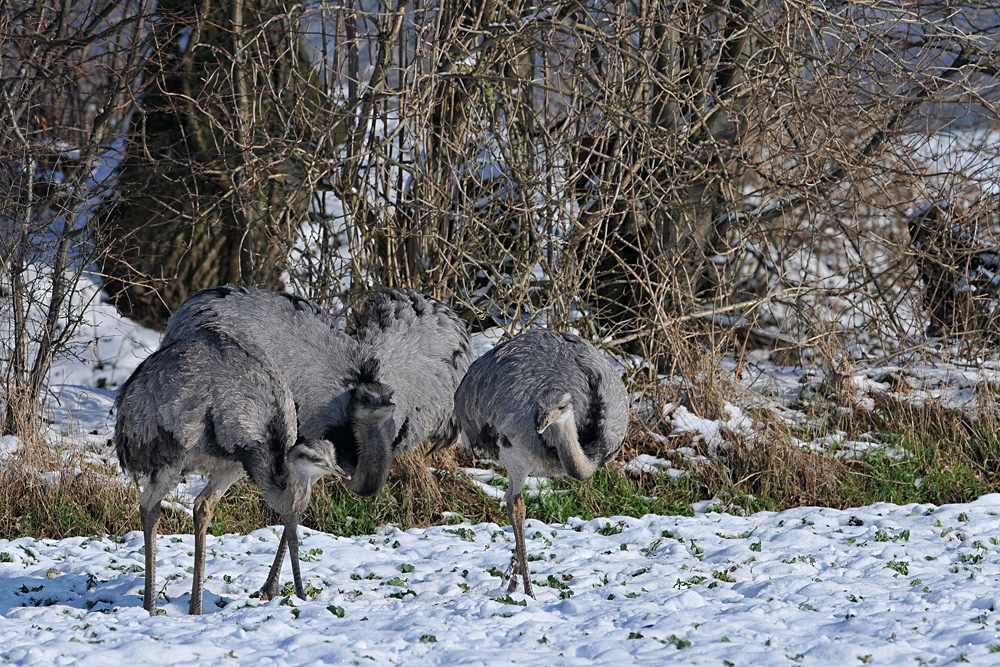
(881, 585)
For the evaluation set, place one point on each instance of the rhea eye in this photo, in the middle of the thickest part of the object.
(366, 399)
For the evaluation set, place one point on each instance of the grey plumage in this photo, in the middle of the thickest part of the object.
(374, 393)
(544, 403)
(422, 351)
(210, 405)
(332, 381)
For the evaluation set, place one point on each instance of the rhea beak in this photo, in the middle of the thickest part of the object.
(340, 472)
(547, 419)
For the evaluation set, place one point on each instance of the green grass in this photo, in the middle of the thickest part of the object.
(955, 460)
(611, 492)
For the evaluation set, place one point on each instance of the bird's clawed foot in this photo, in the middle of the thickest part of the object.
(269, 591)
(527, 586)
(511, 575)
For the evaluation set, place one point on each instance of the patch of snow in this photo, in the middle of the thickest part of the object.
(9, 445)
(709, 431)
(844, 448)
(484, 341)
(644, 463)
(885, 584)
(105, 347)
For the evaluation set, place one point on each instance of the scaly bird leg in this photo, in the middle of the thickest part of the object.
(204, 509)
(510, 574)
(150, 516)
(200, 530)
(270, 588)
(292, 537)
(517, 511)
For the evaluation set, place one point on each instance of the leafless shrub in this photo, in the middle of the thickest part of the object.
(628, 168)
(734, 173)
(774, 467)
(67, 71)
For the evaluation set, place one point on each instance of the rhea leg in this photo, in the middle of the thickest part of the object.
(204, 508)
(154, 491)
(516, 511)
(150, 517)
(291, 537)
(290, 542)
(270, 588)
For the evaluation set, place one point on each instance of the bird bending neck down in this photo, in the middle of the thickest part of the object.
(374, 428)
(307, 461)
(557, 426)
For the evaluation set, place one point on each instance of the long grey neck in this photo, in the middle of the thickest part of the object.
(375, 432)
(294, 497)
(374, 442)
(562, 435)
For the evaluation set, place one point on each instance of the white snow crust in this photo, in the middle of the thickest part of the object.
(884, 584)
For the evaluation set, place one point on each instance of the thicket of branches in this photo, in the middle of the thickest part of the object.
(67, 72)
(632, 169)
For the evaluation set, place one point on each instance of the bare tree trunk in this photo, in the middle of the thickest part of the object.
(655, 239)
(213, 188)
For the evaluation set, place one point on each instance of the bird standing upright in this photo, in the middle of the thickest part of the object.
(544, 403)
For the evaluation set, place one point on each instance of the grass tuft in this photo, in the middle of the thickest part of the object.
(949, 458)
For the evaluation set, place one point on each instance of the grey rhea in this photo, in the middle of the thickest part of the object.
(544, 403)
(209, 405)
(422, 350)
(333, 384)
(373, 393)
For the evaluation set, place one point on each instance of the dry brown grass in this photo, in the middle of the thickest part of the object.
(50, 493)
(44, 496)
(769, 468)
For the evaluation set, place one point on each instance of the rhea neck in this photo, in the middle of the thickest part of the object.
(561, 427)
(560, 433)
(373, 425)
(373, 433)
(299, 490)
(307, 462)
